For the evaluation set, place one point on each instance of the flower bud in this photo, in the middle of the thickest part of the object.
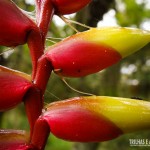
(91, 51)
(13, 87)
(96, 118)
(69, 6)
(14, 25)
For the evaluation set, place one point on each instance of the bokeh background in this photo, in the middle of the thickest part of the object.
(129, 78)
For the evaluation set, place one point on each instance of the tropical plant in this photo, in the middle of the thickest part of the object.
(82, 119)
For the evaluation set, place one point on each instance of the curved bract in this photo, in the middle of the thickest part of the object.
(68, 6)
(91, 51)
(15, 72)
(13, 87)
(14, 25)
(13, 139)
(96, 118)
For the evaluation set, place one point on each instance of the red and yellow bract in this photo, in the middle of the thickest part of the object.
(91, 51)
(96, 118)
(13, 140)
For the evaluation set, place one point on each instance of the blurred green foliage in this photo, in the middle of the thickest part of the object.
(132, 12)
(129, 78)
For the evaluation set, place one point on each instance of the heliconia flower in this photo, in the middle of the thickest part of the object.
(67, 7)
(95, 118)
(16, 87)
(14, 25)
(91, 51)
(13, 87)
(13, 140)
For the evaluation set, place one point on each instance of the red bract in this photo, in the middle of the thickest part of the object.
(69, 6)
(91, 51)
(17, 28)
(14, 24)
(13, 140)
(13, 87)
(16, 87)
(71, 120)
(80, 125)
(79, 58)
(92, 119)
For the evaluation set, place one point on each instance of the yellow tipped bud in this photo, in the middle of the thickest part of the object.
(124, 40)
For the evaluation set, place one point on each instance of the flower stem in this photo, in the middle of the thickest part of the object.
(44, 14)
(44, 69)
(36, 47)
(40, 134)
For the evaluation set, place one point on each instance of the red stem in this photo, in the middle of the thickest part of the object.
(34, 98)
(44, 14)
(33, 101)
(44, 70)
(40, 75)
(36, 47)
(38, 7)
(40, 134)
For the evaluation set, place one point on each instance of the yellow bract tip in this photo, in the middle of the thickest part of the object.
(124, 40)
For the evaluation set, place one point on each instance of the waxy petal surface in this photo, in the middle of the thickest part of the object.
(96, 118)
(69, 6)
(79, 58)
(91, 51)
(14, 25)
(13, 140)
(13, 87)
(15, 72)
